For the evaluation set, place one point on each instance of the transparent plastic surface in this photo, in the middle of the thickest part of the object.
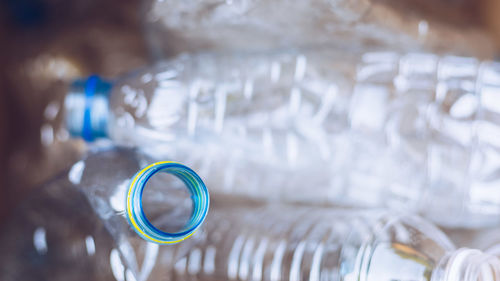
(66, 238)
(399, 248)
(105, 177)
(284, 120)
(56, 236)
(180, 26)
(109, 179)
(325, 126)
(300, 243)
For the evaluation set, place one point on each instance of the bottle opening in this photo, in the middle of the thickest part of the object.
(156, 227)
(167, 203)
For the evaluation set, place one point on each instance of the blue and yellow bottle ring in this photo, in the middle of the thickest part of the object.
(135, 213)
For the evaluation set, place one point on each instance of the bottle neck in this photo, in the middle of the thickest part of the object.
(87, 108)
(467, 265)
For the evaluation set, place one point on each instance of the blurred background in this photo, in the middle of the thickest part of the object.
(46, 43)
(43, 45)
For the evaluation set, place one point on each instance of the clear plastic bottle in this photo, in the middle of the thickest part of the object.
(179, 26)
(163, 203)
(370, 129)
(300, 243)
(54, 237)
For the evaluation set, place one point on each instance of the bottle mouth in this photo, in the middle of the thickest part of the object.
(135, 212)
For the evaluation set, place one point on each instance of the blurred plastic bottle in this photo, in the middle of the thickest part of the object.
(300, 243)
(321, 125)
(54, 235)
(65, 233)
(179, 26)
(240, 240)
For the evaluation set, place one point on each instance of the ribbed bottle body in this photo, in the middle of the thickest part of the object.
(277, 242)
(356, 128)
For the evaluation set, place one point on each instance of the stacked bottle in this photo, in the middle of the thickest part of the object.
(340, 125)
(366, 129)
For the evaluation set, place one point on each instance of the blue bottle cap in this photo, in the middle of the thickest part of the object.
(87, 108)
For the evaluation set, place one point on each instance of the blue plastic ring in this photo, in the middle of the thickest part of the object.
(135, 212)
(90, 89)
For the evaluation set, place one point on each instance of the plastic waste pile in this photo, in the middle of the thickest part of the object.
(333, 145)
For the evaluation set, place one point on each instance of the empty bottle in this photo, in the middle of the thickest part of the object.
(280, 119)
(163, 203)
(172, 26)
(371, 129)
(240, 240)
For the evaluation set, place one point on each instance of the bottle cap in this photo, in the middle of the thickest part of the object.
(87, 108)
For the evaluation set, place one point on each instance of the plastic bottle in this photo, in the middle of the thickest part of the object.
(55, 238)
(300, 243)
(371, 129)
(179, 26)
(162, 203)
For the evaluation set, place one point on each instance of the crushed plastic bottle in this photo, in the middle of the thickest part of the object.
(164, 203)
(317, 125)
